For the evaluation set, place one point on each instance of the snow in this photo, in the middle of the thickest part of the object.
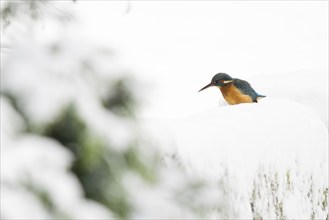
(43, 74)
(267, 160)
(177, 47)
(21, 204)
(307, 87)
(42, 164)
(270, 154)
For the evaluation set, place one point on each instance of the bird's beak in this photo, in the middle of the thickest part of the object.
(207, 86)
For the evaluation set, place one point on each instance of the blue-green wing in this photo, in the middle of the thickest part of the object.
(245, 88)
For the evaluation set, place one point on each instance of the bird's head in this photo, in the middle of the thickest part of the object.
(220, 79)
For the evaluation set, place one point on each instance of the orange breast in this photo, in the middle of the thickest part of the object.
(234, 96)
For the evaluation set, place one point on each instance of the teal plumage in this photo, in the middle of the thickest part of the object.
(246, 89)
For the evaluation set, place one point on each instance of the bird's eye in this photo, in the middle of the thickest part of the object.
(216, 81)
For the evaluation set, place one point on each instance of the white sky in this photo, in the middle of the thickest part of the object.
(178, 46)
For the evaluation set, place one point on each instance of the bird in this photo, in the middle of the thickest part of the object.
(235, 91)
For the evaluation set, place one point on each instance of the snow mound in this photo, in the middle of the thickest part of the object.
(270, 160)
(307, 87)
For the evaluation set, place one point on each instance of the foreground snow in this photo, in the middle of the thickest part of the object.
(269, 160)
(36, 167)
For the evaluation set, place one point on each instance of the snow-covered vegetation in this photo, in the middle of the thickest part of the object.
(73, 145)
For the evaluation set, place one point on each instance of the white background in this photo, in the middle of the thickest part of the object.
(176, 47)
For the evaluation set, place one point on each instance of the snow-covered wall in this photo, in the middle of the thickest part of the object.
(269, 160)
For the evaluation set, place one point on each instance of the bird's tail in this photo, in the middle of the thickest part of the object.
(260, 96)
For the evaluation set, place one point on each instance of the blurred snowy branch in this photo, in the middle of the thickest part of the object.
(71, 146)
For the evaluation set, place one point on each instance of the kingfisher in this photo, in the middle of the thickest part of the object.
(234, 91)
